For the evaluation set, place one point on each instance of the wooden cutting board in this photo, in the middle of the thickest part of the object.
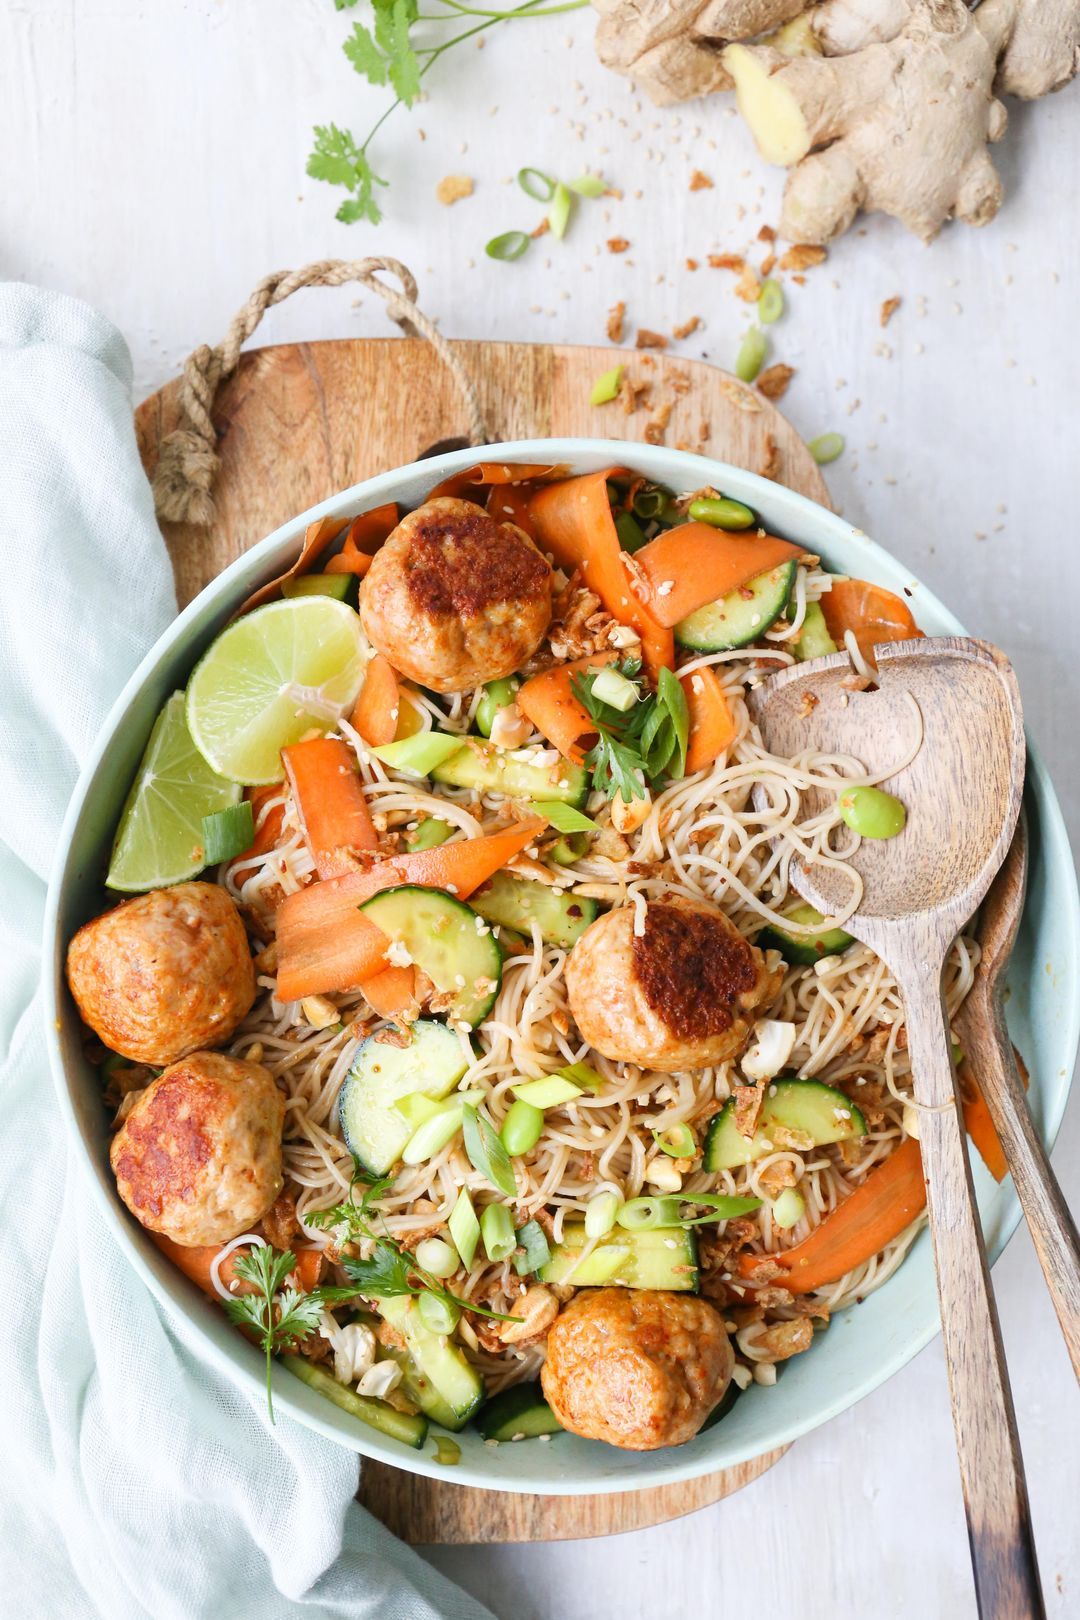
(300, 421)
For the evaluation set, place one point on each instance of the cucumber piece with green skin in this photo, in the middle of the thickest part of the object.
(407, 1427)
(441, 936)
(518, 902)
(342, 586)
(664, 1257)
(824, 1113)
(489, 769)
(517, 1413)
(813, 639)
(381, 1076)
(435, 1373)
(742, 616)
(804, 949)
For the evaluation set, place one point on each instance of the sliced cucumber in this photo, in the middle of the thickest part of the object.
(824, 1113)
(343, 586)
(481, 765)
(381, 1076)
(435, 1373)
(665, 1257)
(518, 902)
(441, 936)
(813, 640)
(404, 1426)
(804, 949)
(741, 617)
(517, 1413)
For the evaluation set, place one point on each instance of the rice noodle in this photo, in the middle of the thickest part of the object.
(704, 838)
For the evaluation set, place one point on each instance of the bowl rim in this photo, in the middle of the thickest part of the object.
(209, 610)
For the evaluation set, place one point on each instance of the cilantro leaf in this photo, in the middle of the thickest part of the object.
(385, 1273)
(338, 160)
(365, 55)
(643, 746)
(392, 24)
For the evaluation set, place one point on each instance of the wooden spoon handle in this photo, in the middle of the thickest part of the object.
(990, 1054)
(987, 1444)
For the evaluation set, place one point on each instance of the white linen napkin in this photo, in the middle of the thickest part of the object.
(134, 1482)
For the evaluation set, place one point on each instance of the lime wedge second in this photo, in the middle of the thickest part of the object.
(160, 838)
(271, 677)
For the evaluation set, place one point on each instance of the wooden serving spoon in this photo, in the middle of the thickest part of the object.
(946, 711)
(984, 1037)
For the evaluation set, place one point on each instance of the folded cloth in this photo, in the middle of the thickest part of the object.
(135, 1481)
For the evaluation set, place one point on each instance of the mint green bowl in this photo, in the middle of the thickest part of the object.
(863, 1346)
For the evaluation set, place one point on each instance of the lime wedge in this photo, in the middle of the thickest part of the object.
(160, 838)
(271, 677)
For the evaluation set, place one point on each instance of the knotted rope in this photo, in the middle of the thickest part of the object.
(188, 460)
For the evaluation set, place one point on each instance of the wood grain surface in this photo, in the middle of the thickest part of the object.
(299, 422)
(950, 707)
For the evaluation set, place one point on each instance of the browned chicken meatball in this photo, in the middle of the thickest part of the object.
(198, 1157)
(678, 996)
(455, 598)
(165, 974)
(637, 1368)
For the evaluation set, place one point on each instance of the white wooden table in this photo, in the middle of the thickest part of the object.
(152, 161)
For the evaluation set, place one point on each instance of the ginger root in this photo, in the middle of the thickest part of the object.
(874, 105)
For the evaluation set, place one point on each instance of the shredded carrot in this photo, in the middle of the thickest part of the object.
(549, 702)
(874, 1214)
(196, 1262)
(391, 992)
(326, 943)
(349, 560)
(980, 1125)
(491, 473)
(267, 831)
(368, 531)
(573, 521)
(378, 707)
(712, 724)
(317, 537)
(874, 614)
(687, 567)
(330, 802)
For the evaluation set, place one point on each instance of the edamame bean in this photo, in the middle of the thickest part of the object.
(521, 1128)
(721, 512)
(497, 695)
(871, 812)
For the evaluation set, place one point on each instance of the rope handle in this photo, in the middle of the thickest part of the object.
(188, 460)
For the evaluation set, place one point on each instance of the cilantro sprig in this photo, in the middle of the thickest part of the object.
(643, 747)
(277, 1314)
(389, 54)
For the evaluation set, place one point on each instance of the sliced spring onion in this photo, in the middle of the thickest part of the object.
(751, 355)
(432, 1136)
(826, 447)
(486, 1153)
(649, 502)
(438, 1315)
(589, 185)
(631, 535)
(615, 690)
(464, 1228)
(497, 1231)
(644, 1214)
(722, 512)
(677, 1140)
(601, 1214)
(536, 184)
(770, 304)
(563, 817)
(565, 851)
(549, 1091)
(419, 755)
(522, 1128)
(434, 1254)
(447, 1452)
(558, 215)
(582, 1074)
(606, 387)
(227, 833)
(510, 245)
(534, 1250)
(724, 1206)
(789, 1208)
(430, 832)
(417, 1108)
